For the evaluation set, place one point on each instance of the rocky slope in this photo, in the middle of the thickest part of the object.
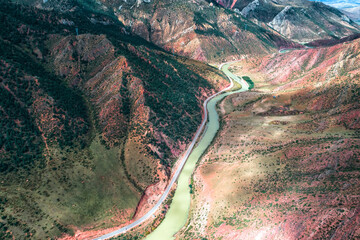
(299, 20)
(196, 29)
(286, 163)
(90, 117)
(200, 30)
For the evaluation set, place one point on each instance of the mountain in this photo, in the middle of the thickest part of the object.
(299, 20)
(91, 116)
(196, 29)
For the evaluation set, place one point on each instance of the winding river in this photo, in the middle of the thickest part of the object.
(179, 209)
(178, 212)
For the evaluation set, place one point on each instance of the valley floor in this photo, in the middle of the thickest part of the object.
(278, 170)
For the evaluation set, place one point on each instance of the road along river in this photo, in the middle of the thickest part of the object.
(179, 209)
(178, 212)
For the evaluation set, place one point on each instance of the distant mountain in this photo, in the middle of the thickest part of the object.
(353, 13)
(203, 30)
(298, 20)
(341, 4)
(197, 29)
(349, 7)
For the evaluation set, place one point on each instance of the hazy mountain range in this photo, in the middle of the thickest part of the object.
(341, 4)
(349, 7)
(299, 20)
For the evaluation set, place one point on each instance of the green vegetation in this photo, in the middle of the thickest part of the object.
(20, 136)
(249, 81)
(17, 139)
(201, 22)
(105, 188)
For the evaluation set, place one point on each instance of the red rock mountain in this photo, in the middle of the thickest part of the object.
(196, 29)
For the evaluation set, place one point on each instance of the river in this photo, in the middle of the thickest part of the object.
(178, 212)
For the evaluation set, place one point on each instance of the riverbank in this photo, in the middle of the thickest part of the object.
(179, 209)
(183, 164)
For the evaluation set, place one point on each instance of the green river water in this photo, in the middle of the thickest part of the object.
(179, 209)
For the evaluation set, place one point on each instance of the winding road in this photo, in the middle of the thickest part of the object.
(232, 78)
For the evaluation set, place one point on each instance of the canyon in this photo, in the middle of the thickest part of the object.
(101, 99)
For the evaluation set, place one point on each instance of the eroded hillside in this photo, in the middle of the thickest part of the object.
(286, 162)
(91, 116)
